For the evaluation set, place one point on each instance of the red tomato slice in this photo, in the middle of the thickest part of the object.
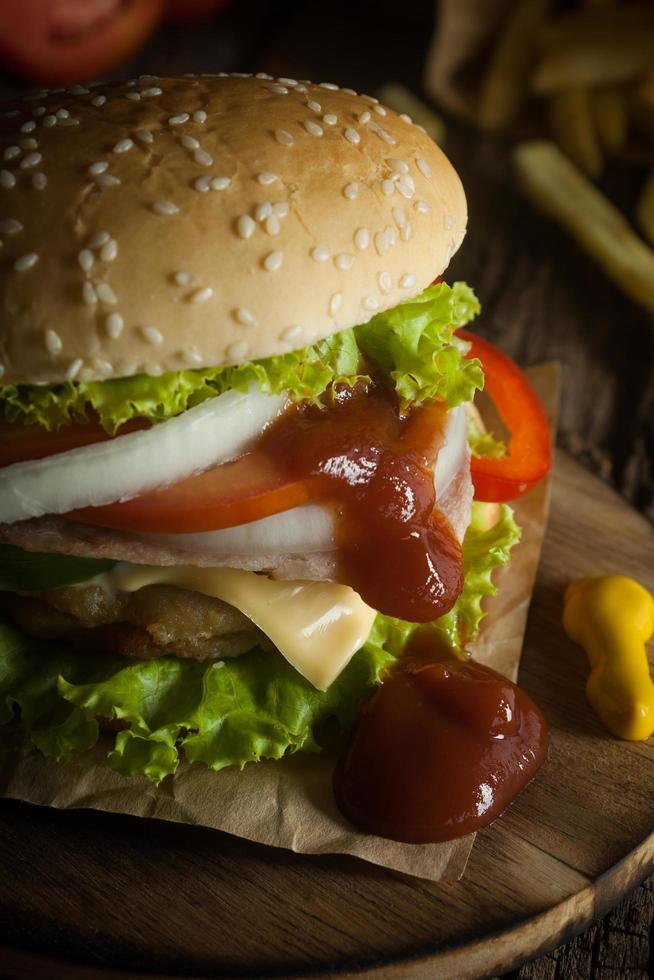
(233, 493)
(62, 41)
(529, 457)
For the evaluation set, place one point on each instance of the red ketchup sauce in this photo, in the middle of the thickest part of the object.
(440, 750)
(377, 468)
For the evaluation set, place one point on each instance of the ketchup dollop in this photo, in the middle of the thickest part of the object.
(440, 750)
(377, 467)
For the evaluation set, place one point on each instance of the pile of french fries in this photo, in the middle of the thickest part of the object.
(588, 73)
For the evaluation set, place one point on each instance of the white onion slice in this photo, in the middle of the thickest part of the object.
(119, 469)
(311, 527)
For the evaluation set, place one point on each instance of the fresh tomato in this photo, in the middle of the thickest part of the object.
(19, 443)
(529, 455)
(60, 41)
(233, 493)
(181, 11)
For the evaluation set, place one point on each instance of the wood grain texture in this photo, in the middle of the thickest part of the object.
(135, 894)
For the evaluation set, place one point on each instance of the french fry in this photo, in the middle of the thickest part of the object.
(610, 116)
(596, 47)
(560, 190)
(573, 128)
(645, 209)
(398, 97)
(505, 86)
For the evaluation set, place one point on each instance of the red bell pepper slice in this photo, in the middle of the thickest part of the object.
(529, 455)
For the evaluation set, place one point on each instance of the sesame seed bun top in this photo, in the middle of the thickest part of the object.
(166, 224)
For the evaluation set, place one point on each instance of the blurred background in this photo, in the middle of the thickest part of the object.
(546, 109)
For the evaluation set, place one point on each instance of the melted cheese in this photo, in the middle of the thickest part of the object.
(316, 626)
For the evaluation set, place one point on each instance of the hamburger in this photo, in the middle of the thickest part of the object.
(235, 465)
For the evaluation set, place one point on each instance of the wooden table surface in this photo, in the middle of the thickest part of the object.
(541, 299)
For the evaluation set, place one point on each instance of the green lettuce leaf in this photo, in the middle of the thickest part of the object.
(412, 345)
(221, 713)
(483, 443)
(30, 571)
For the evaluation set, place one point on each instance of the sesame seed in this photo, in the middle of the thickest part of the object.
(190, 142)
(26, 262)
(399, 166)
(144, 135)
(202, 184)
(104, 367)
(287, 81)
(245, 226)
(73, 369)
(273, 261)
(381, 245)
(237, 350)
(106, 294)
(69, 121)
(364, 117)
(49, 121)
(78, 90)
(109, 251)
(107, 180)
(63, 114)
(220, 183)
(7, 179)
(122, 146)
(405, 117)
(30, 160)
(151, 92)
(39, 181)
(284, 137)
(99, 101)
(192, 356)
(399, 216)
(448, 222)
(422, 206)
(312, 127)
(199, 116)
(362, 239)
(114, 324)
(28, 127)
(277, 89)
(85, 258)
(344, 260)
(320, 253)
(263, 211)
(202, 295)
(273, 226)
(370, 303)
(53, 342)
(179, 120)
(244, 317)
(88, 294)
(133, 96)
(98, 239)
(290, 334)
(301, 88)
(165, 207)
(407, 281)
(351, 135)
(203, 158)
(405, 188)
(386, 136)
(40, 110)
(29, 144)
(335, 303)
(391, 236)
(379, 109)
(10, 226)
(281, 209)
(384, 281)
(126, 368)
(406, 231)
(266, 178)
(98, 168)
(314, 106)
(423, 167)
(330, 119)
(182, 278)
(351, 191)
(348, 91)
(152, 335)
(11, 152)
(388, 187)
(330, 86)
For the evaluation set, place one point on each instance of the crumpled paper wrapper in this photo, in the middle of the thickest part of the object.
(289, 804)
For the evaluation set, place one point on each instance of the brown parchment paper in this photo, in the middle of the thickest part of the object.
(289, 804)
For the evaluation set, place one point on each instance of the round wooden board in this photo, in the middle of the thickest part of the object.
(86, 894)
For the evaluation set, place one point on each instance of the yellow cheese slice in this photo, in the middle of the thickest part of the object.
(316, 626)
